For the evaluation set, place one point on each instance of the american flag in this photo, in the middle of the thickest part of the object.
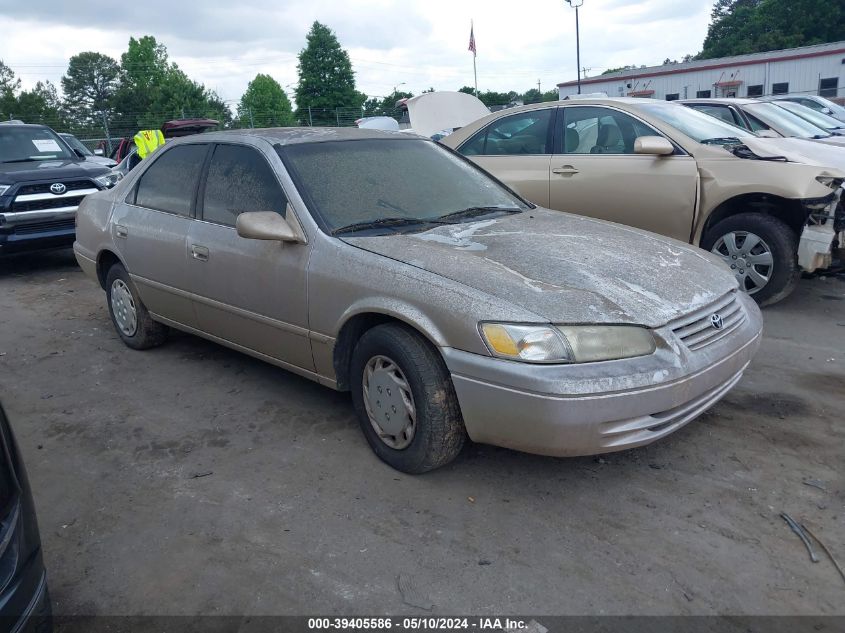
(472, 41)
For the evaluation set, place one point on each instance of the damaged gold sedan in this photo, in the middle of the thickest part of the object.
(769, 207)
(389, 266)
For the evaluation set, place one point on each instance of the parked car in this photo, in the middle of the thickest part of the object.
(24, 597)
(445, 303)
(764, 117)
(77, 146)
(820, 104)
(41, 184)
(824, 121)
(666, 168)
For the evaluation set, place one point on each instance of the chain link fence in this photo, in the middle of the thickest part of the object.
(106, 130)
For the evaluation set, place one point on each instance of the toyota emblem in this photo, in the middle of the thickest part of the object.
(716, 321)
(58, 188)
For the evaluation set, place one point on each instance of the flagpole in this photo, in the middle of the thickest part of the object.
(474, 70)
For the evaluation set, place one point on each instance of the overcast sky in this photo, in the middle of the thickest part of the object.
(412, 43)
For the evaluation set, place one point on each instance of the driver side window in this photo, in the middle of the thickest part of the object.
(521, 134)
(599, 130)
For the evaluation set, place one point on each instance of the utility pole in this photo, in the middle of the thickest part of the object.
(575, 4)
(251, 120)
(106, 130)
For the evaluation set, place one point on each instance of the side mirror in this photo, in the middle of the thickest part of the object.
(827, 111)
(99, 152)
(654, 145)
(767, 134)
(266, 225)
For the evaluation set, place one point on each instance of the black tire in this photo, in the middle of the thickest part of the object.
(148, 333)
(439, 430)
(783, 245)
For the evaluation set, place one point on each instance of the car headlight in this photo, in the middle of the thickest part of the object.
(567, 343)
(4, 189)
(109, 180)
(830, 181)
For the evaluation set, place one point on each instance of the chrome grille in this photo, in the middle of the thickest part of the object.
(696, 330)
(44, 187)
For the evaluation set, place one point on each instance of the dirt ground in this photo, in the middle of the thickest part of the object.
(191, 479)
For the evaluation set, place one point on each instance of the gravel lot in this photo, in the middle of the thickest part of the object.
(191, 479)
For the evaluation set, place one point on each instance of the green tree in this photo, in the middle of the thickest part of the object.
(326, 79)
(265, 104)
(41, 105)
(9, 85)
(89, 85)
(154, 90)
(610, 71)
(738, 27)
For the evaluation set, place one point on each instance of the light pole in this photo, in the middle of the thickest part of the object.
(575, 4)
(397, 86)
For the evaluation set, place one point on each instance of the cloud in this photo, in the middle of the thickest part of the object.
(412, 43)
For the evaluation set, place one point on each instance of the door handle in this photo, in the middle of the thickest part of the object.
(121, 231)
(566, 170)
(199, 253)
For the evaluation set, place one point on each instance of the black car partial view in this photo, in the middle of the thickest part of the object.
(24, 599)
(42, 182)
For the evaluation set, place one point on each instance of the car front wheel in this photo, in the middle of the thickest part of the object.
(130, 317)
(761, 251)
(405, 400)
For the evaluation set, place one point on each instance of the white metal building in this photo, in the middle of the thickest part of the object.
(818, 70)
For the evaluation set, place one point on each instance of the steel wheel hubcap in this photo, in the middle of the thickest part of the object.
(749, 257)
(389, 402)
(123, 308)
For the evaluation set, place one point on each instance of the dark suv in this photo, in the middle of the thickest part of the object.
(42, 182)
(24, 600)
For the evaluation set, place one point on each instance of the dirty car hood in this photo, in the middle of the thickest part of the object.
(566, 268)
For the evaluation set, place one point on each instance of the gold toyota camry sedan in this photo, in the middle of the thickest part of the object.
(768, 207)
(389, 266)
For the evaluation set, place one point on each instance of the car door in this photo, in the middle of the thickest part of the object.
(595, 172)
(516, 150)
(151, 228)
(251, 293)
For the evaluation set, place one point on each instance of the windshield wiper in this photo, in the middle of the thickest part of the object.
(385, 222)
(722, 140)
(471, 212)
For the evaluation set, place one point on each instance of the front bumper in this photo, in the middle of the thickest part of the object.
(567, 410)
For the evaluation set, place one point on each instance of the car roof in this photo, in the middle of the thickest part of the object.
(726, 100)
(7, 124)
(298, 135)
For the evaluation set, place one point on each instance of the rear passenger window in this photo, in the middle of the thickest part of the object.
(240, 179)
(171, 181)
(526, 133)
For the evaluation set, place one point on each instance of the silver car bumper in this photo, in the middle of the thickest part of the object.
(567, 410)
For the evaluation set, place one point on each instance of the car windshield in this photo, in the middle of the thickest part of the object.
(813, 116)
(392, 185)
(76, 144)
(21, 144)
(784, 122)
(697, 125)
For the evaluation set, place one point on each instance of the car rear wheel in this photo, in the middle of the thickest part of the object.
(761, 251)
(130, 317)
(405, 400)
